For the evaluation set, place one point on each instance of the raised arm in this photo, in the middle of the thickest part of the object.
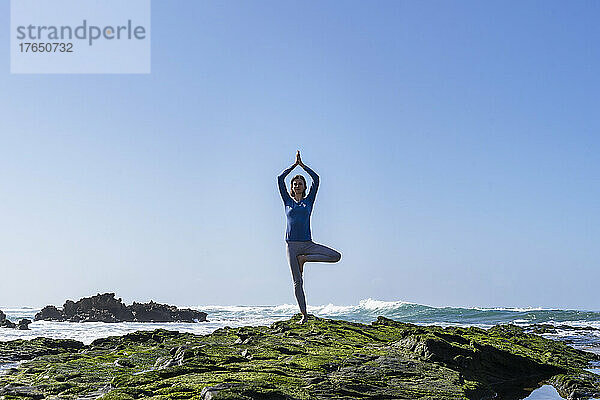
(315, 185)
(285, 196)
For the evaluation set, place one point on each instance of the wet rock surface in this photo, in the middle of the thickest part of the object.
(322, 359)
(106, 308)
(580, 337)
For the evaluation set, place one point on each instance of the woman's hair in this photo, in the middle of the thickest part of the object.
(292, 185)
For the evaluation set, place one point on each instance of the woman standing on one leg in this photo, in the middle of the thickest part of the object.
(300, 247)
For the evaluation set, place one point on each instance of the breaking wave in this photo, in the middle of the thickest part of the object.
(366, 311)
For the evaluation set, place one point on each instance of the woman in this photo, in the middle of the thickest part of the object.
(300, 247)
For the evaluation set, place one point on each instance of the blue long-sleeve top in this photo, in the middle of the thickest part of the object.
(298, 213)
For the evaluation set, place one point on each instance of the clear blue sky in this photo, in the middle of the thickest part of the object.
(457, 142)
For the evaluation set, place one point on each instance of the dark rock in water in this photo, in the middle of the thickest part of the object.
(23, 324)
(106, 308)
(100, 308)
(50, 313)
(541, 329)
(154, 312)
(5, 323)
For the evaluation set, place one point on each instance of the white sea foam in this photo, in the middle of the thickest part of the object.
(511, 309)
(330, 309)
(366, 311)
(370, 304)
(89, 331)
(286, 308)
(19, 309)
(578, 324)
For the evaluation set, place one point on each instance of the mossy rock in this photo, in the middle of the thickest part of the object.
(322, 359)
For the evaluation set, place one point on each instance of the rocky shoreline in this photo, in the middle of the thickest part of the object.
(106, 308)
(322, 359)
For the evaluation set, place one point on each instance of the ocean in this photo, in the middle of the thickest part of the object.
(366, 311)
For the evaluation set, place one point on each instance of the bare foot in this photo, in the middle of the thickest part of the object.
(302, 320)
(301, 260)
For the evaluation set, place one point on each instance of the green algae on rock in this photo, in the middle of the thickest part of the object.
(322, 359)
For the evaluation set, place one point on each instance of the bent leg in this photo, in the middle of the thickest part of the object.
(293, 249)
(319, 253)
